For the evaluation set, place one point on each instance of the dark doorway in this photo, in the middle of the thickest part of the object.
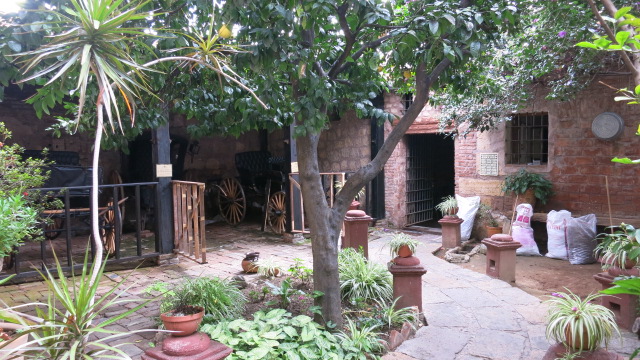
(430, 176)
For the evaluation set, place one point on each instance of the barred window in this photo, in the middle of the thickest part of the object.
(527, 139)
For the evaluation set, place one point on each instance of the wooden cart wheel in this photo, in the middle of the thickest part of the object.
(53, 229)
(231, 201)
(108, 230)
(116, 179)
(277, 212)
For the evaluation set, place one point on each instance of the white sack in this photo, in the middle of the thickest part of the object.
(524, 235)
(557, 222)
(523, 215)
(467, 209)
(581, 239)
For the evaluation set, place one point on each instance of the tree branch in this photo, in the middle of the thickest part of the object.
(370, 45)
(625, 57)
(349, 40)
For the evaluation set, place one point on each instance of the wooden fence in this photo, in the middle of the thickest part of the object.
(188, 218)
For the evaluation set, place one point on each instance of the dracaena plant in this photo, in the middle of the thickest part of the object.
(91, 40)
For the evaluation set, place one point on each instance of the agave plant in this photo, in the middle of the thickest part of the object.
(65, 327)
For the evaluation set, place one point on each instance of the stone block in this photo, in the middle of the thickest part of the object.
(501, 259)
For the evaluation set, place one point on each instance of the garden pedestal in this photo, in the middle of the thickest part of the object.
(623, 305)
(197, 346)
(356, 227)
(501, 259)
(450, 232)
(407, 282)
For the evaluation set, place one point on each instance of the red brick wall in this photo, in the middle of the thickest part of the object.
(395, 168)
(579, 162)
(30, 132)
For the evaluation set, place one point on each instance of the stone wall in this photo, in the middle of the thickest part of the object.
(579, 162)
(345, 145)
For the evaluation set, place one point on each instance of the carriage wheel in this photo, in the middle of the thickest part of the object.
(277, 212)
(108, 230)
(231, 201)
(53, 229)
(116, 179)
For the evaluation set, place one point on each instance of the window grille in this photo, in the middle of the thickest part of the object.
(527, 139)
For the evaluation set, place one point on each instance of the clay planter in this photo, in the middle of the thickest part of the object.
(21, 340)
(185, 325)
(492, 230)
(629, 268)
(248, 263)
(578, 344)
(404, 251)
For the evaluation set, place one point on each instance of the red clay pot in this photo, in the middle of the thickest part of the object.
(184, 325)
(492, 230)
(404, 251)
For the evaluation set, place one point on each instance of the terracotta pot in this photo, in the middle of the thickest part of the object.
(405, 251)
(185, 325)
(492, 230)
(21, 340)
(578, 343)
(615, 270)
(248, 263)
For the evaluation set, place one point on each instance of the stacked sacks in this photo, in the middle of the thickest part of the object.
(571, 238)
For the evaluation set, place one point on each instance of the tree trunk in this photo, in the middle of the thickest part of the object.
(325, 225)
(95, 172)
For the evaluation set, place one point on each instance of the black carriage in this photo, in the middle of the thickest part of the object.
(260, 184)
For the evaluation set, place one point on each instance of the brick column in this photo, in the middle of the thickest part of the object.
(501, 259)
(407, 281)
(356, 227)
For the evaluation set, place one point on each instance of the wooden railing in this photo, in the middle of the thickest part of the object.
(188, 218)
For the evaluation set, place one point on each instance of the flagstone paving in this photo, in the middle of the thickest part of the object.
(470, 315)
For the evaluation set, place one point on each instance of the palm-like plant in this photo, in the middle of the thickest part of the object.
(92, 40)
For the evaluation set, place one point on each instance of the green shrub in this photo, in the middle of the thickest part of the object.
(220, 298)
(278, 335)
(362, 280)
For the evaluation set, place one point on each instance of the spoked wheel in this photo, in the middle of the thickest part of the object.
(108, 230)
(277, 212)
(53, 229)
(231, 201)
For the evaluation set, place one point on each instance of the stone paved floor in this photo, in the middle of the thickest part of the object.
(470, 315)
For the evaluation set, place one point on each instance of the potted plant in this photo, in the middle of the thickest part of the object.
(619, 251)
(268, 267)
(402, 245)
(528, 186)
(184, 319)
(448, 207)
(579, 324)
(491, 224)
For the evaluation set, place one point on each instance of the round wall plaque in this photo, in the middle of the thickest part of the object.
(607, 126)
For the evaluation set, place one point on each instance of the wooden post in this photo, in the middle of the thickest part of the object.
(161, 144)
